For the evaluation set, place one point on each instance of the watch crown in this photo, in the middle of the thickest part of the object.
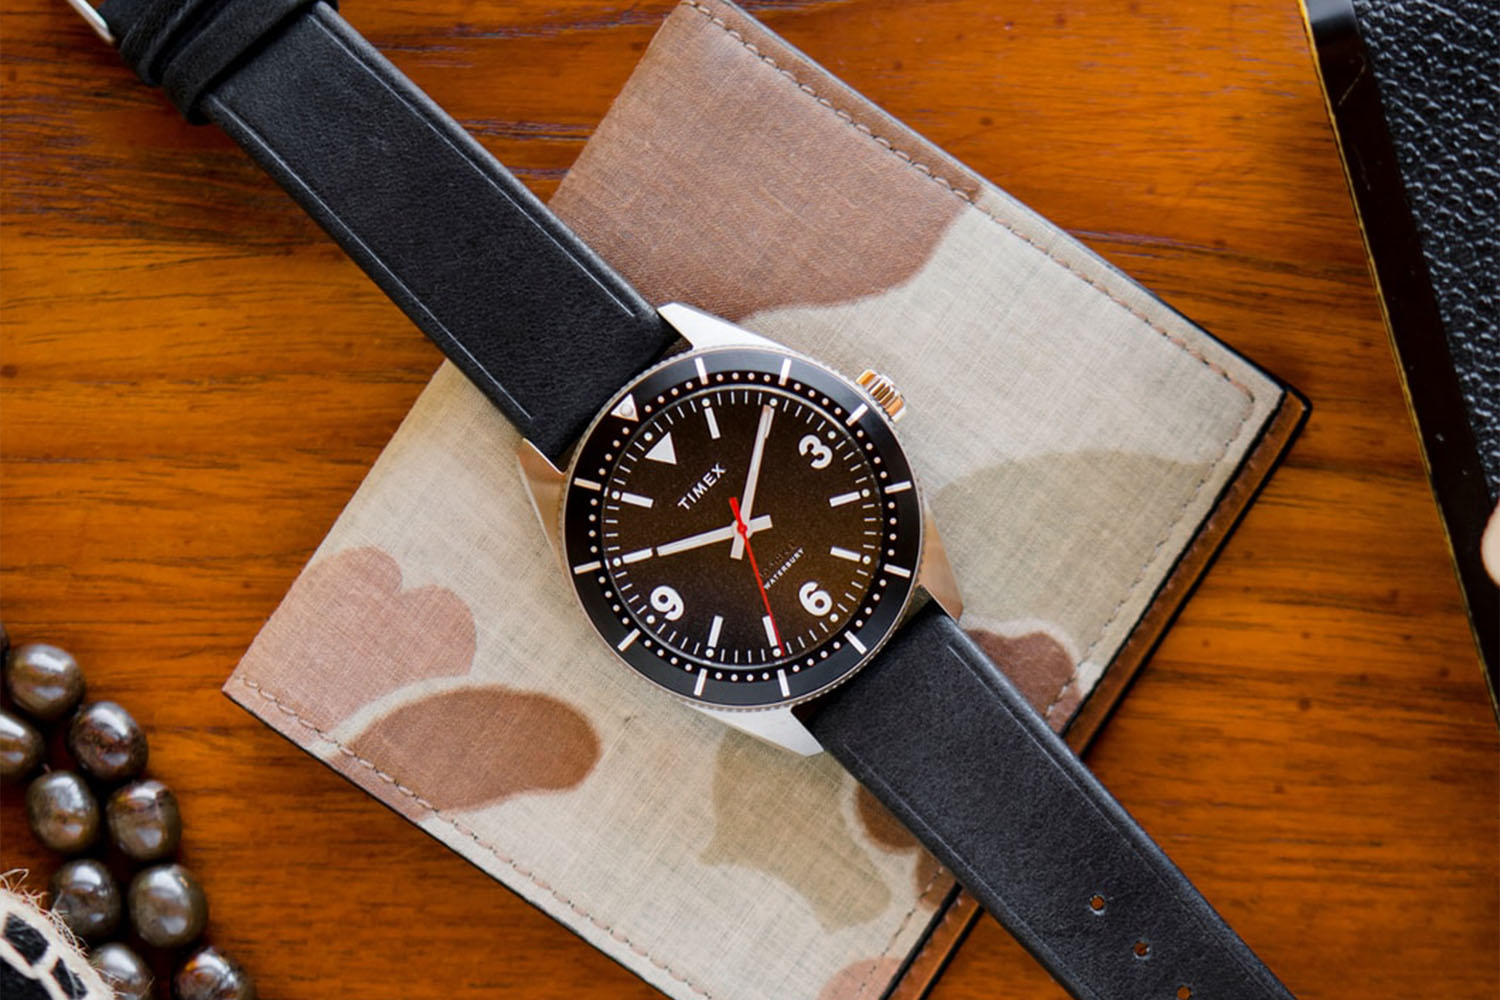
(884, 392)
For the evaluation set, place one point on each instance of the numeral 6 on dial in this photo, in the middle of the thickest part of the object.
(815, 600)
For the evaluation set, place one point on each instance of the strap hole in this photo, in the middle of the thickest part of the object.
(1096, 903)
(1184, 993)
(1141, 949)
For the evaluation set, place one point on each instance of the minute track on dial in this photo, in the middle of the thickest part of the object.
(813, 455)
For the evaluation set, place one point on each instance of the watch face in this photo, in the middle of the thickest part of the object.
(742, 526)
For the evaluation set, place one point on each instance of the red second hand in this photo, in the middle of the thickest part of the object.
(744, 530)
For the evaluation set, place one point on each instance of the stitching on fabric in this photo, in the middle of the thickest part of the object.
(1176, 341)
(871, 778)
(1150, 560)
(998, 906)
(493, 851)
(943, 182)
(937, 873)
(952, 189)
(927, 945)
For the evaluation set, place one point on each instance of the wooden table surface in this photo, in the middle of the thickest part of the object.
(194, 381)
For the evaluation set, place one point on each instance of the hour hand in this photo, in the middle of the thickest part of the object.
(723, 534)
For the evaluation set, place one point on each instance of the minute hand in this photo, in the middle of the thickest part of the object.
(747, 498)
(723, 534)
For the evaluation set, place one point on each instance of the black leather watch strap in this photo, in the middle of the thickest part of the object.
(543, 326)
(939, 735)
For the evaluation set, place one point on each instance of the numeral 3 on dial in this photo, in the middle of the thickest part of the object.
(820, 452)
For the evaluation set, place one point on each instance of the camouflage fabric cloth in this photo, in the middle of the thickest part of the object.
(1072, 433)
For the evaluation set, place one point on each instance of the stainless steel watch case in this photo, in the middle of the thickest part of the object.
(546, 485)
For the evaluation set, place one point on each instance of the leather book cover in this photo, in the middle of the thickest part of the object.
(1409, 90)
(1085, 448)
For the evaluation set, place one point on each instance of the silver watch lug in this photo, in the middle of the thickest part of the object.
(936, 574)
(544, 484)
(778, 726)
(703, 330)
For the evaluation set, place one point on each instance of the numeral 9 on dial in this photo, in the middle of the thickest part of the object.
(668, 602)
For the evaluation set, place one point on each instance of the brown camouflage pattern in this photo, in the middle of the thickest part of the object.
(1071, 433)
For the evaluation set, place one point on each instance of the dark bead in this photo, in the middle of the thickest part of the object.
(167, 906)
(62, 812)
(107, 742)
(42, 680)
(4, 641)
(20, 746)
(209, 975)
(143, 820)
(122, 969)
(86, 898)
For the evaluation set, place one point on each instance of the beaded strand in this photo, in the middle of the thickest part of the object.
(164, 902)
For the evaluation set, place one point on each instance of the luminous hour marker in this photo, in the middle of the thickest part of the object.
(897, 570)
(588, 567)
(713, 422)
(640, 554)
(587, 484)
(664, 451)
(844, 554)
(786, 368)
(853, 418)
(702, 679)
(624, 643)
(899, 487)
(636, 499)
(786, 691)
(854, 641)
(713, 631)
(625, 409)
(843, 498)
(770, 630)
(702, 372)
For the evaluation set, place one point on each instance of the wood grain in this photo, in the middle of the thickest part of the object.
(194, 381)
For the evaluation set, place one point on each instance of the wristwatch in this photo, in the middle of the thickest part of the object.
(739, 522)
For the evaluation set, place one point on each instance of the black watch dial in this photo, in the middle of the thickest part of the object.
(742, 526)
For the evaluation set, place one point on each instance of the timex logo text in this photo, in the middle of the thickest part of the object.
(702, 486)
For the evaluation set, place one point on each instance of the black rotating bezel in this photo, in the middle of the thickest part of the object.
(900, 554)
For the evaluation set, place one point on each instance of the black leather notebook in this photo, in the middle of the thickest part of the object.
(1413, 91)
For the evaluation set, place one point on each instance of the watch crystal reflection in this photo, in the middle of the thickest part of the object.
(741, 527)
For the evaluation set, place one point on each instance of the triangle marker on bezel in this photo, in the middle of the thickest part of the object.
(625, 409)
